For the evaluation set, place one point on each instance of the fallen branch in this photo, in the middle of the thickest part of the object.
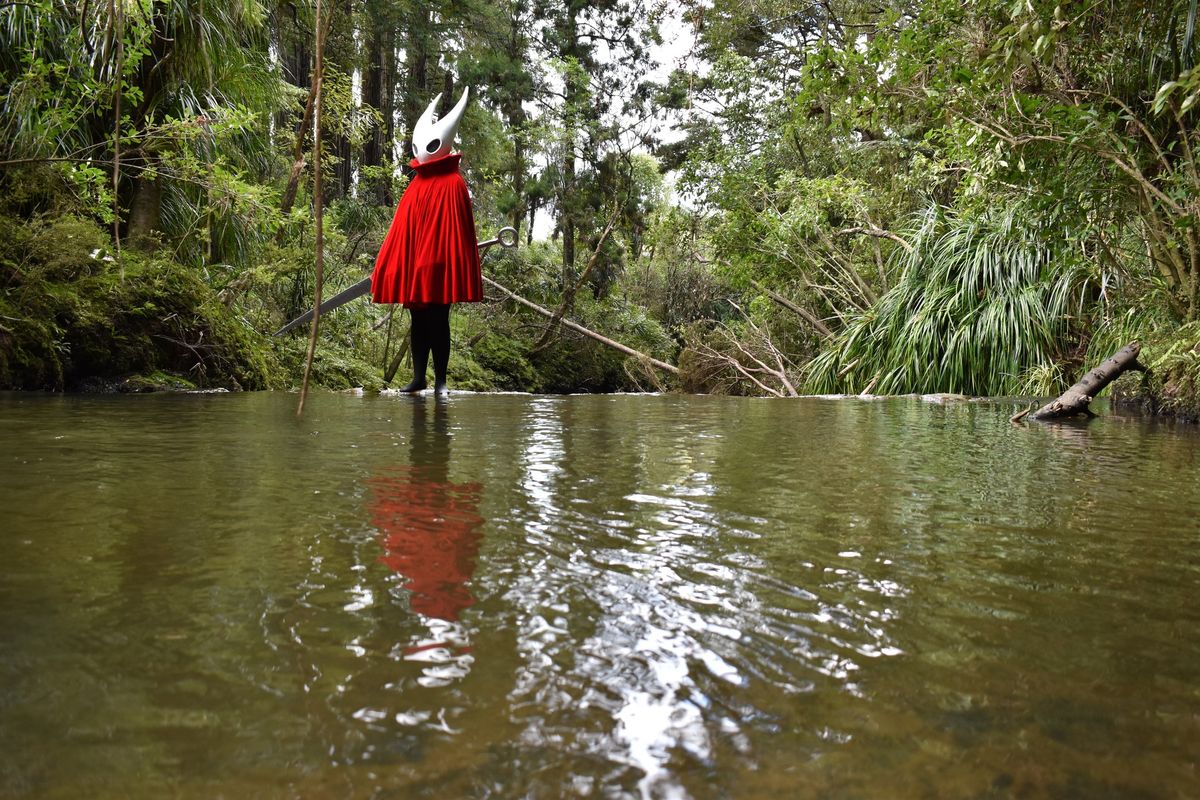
(745, 363)
(878, 233)
(780, 371)
(575, 326)
(809, 317)
(714, 355)
(1074, 401)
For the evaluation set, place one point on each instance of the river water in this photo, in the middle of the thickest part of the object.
(599, 596)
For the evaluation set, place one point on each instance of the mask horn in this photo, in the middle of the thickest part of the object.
(434, 139)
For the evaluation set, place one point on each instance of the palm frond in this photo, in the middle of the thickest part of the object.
(979, 302)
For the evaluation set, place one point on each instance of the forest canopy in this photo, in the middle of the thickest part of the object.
(978, 197)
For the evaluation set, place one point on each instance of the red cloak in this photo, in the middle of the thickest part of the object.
(430, 255)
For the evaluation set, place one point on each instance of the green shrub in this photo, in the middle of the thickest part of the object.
(74, 313)
(980, 301)
(506, 359)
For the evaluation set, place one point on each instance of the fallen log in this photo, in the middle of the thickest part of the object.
(1074, 401)
(809, 317)
(575, 326)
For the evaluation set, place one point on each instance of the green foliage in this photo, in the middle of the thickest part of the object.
(1050, 147)
(507, 363)
(70, 313)
(1174, 362)
(1170, 351)
(979, 302)
(1041, 380)
(570, 362)
(850, 118)
(193, 84)
(335, 365)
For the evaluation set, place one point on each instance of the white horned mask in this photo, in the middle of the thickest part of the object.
(431, 139)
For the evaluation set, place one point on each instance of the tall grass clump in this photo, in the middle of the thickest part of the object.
(978, 302)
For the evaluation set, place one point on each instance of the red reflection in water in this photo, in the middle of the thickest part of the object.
(429, 527)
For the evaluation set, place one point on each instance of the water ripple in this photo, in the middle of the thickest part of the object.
(593, 596)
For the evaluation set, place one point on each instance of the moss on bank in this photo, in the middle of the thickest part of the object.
(73, 315)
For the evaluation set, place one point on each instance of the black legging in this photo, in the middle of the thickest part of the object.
(430, 334)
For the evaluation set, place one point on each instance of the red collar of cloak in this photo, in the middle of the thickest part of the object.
(438, 166)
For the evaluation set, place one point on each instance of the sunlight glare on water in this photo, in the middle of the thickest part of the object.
(602, 596)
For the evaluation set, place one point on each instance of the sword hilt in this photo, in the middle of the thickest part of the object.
(505, 237)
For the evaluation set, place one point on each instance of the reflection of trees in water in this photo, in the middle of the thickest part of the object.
(648, 636)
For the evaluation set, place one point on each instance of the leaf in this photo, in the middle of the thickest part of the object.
(1160, 99)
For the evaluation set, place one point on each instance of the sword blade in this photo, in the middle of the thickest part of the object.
(507, 238)
(339, 299)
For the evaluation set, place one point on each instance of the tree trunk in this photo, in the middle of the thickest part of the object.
(344, 172)
(417, 83)
(514, 115)
(573, 94)
(388, 151)
(293, 184)
(1074, 401)
(145, 209)
(116, 170)
(372, 97)
(533, 207)
(568, 219)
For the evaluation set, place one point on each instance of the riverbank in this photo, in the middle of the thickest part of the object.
(77, 316)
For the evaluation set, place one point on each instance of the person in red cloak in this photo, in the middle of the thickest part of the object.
(429, 258)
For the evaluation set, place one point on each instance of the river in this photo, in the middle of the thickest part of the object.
(593, 596)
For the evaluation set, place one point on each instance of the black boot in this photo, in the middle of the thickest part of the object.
(419, 347)
(439, 344)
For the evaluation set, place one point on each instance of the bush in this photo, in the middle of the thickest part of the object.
(979, 302)
(74, 313)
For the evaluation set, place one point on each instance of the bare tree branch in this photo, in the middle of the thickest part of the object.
(878, 233)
